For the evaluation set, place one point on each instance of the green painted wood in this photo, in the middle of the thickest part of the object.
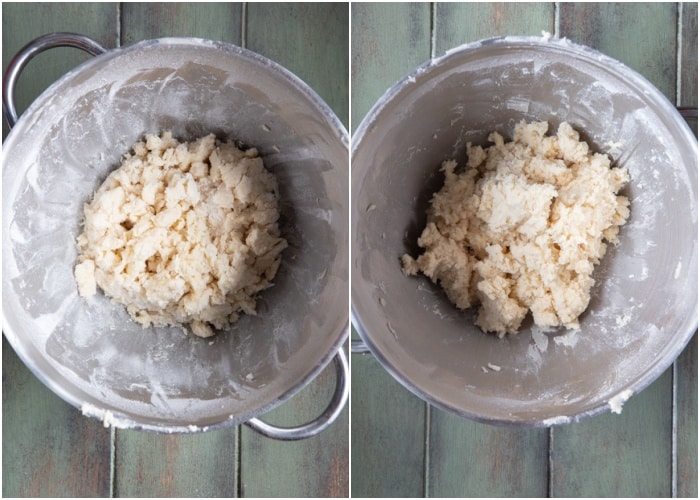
(511, 462)
(48, 448)
(311, 40)
(213, 21)
(625, 455)
(313, 467)
(189, 466)
(687, 364)
(23, 22)
(378, 29)
(687, 421)
(387, 434)
(688, 92)
(642, 35)
(689, 55)
(468, 459)
(459, 23)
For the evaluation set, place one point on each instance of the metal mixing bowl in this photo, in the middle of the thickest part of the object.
(643, 309)
(89, 351)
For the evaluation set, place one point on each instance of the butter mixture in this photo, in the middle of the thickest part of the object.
(521, 228)
(183, 234)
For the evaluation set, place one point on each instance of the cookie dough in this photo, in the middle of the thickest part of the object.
(182, 234)
(521, 228)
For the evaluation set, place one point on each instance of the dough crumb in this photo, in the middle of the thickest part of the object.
(521, 227)
(182, 234)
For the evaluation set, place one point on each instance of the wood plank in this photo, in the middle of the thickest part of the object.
(687, 364)
(157, 465)
(688, 92)
(509, 461)
(23, 22)
(313, 467)
(626, 455)
(213, 21)
(459, 23)
(388, 434)
(378, 29)
(641, 35)
(469, 459)
(48, 448)
(309, 39)
(687, 421)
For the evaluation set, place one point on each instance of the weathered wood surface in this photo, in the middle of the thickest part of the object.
(49, 449)
(648, 450)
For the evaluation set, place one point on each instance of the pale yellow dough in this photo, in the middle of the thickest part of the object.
(183, 234)
(522, 227)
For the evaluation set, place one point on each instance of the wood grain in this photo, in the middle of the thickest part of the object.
(641, 35)
(387, 434)
(48, 448)
(478, 460)
(687, 421)
(686, 374)
(618, 455)
(458, 23)
(313, 467)
(212, 21)
(189, 466)
(309, 39)
(377, 30)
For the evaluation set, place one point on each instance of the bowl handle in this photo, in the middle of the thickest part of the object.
(340, 397)
(33, 48)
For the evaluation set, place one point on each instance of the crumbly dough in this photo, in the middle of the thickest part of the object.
(182, 233)
(521, 228)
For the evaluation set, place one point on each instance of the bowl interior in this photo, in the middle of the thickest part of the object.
(644, 304)
(90, 352)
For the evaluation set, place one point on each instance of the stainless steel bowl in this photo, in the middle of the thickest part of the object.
(89, 352)
(644, 305)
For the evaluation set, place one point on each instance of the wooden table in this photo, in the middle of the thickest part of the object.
(403, 447)
(400, 445)
(49, 448)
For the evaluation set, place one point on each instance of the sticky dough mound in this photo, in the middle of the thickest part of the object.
(522, 227)
(182, 234)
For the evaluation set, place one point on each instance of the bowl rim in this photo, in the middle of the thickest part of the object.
(26, 351)
(546, 41)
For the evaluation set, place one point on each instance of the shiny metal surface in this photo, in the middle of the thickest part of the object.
(26, 54)
(89, 352)
(329, 415)
(644, 305)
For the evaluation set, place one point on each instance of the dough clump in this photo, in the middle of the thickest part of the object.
(521, 228)
(183, 233)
